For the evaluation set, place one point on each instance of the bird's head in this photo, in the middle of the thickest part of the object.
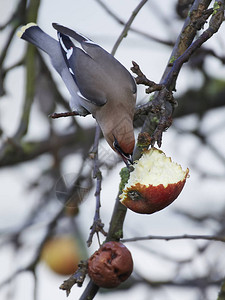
(118, 132)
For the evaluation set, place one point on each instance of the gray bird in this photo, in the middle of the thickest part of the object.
(98, 83)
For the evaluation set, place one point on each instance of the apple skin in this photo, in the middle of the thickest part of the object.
(110, 265)
(149, 199)
(61, 254)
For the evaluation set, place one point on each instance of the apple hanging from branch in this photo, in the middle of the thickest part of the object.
(154, 183)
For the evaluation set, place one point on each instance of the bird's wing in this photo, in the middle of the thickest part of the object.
(35, 35)
(89, 77)
(67, 31)
(106, 61)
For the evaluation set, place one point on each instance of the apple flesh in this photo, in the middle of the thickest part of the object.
(154, 183)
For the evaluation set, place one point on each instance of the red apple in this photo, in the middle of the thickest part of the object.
(61, 254)
(154, 184)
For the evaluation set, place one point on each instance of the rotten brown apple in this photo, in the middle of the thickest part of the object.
(110, 265)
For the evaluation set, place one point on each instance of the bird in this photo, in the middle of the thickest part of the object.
(97, 82)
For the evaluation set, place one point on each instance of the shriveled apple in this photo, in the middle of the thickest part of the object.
(154, 184)
(110, 265)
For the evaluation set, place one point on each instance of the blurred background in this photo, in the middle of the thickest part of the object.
(45, 161)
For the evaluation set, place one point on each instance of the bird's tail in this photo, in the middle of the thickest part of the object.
(33, 34)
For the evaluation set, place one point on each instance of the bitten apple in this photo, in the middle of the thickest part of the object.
(154, 183)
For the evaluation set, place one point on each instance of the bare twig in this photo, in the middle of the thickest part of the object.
(177, 237)
(6, 46)
(142, 79)
(13, 153)
(135, 30)
(202, 282)
(64, 114)
(127, 26)
(97, 225)
(77, 278)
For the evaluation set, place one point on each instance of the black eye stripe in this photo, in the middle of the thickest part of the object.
(118, 148)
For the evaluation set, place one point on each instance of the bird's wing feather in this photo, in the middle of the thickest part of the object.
(89, 78)
(67, 31)
(33, 34)
(105, 60)
(114, 68)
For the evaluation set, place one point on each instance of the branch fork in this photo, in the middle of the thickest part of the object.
(142, 79)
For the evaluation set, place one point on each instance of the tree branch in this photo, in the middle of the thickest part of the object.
(163, 100)
(214, 25)
(176, 237)
(76, 278)
(127, 26)
(13, 153)
(135, 30)
(97, 225)
(202, 282)
(30, 76)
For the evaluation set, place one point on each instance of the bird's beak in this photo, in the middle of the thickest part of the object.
(127, 158)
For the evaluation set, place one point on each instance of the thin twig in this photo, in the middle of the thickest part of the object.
(5, 48)
(12, 153)
(176, 237)
(76, 278)
(135, 30)
(97, 225)
(64, 114)
(203, 282)
(127, 26)
(142, 79)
